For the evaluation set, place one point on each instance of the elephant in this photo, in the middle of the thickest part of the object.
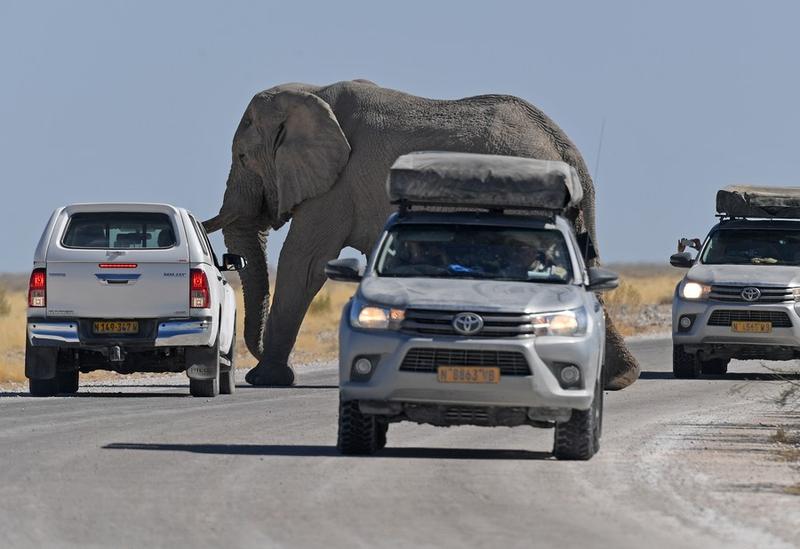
(320, 155)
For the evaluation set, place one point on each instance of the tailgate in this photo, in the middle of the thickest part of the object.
(154, 283)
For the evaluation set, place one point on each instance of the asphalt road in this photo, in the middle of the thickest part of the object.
(131, 465)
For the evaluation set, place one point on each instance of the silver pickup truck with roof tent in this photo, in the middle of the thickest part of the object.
(740, 298)
(475, 308)
(129, 288)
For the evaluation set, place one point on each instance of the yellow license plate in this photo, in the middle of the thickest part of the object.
(468, 374)
(116, 327)
(751, 326)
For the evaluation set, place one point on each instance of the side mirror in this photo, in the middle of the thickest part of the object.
(233, 262)
(586, 246)
(344, 270)
(682, 259)
(602, 279)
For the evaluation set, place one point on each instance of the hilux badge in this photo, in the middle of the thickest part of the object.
(751, 294)
(467, 323)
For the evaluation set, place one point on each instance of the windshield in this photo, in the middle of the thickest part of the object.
(471, 251)
(753, 247)
(119, 230)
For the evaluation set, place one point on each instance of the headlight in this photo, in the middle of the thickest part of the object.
(562, 323)
(375, 317)
(694, 290)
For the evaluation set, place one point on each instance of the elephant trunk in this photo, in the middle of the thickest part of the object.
(219, 221)
(242, 239)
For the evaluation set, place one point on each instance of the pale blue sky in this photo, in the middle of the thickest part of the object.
(139, 100)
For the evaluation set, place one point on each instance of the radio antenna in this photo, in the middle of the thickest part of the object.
(599, 150)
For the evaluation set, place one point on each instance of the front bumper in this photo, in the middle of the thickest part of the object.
(76, 333)
(701, 334)
(389, 384)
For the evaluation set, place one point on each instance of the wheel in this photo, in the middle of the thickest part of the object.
(684, 365)
(68, 381)
(227, 378)
(714, 367)
(43, 387)
(359, 434)
(579, 438)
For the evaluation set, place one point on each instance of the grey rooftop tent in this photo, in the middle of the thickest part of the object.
(752, 201)
(470, 180)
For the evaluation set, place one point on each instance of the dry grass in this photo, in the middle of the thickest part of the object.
(651, 284)
(642, 286)
(12, 338)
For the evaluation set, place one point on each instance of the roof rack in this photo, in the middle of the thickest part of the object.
(468, 182)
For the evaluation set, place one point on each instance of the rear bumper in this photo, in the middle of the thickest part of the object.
(187, 332)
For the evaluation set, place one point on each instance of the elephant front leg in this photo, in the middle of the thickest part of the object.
(621, 367)
(309, 245)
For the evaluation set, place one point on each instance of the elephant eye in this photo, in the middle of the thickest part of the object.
(279, 138)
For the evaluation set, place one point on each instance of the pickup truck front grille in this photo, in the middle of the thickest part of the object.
(511, 363)
(722, 317)
(733, 293)
(495, 324)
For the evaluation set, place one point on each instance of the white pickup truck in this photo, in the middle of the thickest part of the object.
(129, 288)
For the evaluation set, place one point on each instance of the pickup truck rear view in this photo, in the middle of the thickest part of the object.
(129, 288)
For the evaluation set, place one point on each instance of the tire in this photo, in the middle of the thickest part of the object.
(227, 378)
(43, 387)
(204, 387)
(579, 438)
(68, 381)
(714, 367)
(684, 365)
(359, 434)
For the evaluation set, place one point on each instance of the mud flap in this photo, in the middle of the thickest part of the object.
(202, 362)
(40, 362)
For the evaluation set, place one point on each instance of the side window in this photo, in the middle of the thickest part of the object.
(204, 241)
(200, 236)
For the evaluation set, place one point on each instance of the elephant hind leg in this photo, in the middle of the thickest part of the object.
(621, 367)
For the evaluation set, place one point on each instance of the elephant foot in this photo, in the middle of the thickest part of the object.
(270, 376)
(623, 379)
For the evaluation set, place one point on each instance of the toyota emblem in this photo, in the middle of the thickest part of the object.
(467, 323)
(751, 294)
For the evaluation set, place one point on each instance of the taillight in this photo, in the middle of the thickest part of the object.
(199, 297)
(37, 289)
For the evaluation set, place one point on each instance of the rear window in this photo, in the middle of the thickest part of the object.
(119, 230)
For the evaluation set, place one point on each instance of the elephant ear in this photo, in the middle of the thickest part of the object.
(310, 149)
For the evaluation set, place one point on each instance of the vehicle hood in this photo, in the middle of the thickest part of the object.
(472, 295)
(771, 275)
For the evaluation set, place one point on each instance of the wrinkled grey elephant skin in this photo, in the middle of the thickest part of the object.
(319, 155)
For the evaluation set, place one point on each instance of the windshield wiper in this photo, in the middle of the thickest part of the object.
(761, 260)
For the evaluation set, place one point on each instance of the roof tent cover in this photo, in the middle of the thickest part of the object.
(751, 201)
(483, 181)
